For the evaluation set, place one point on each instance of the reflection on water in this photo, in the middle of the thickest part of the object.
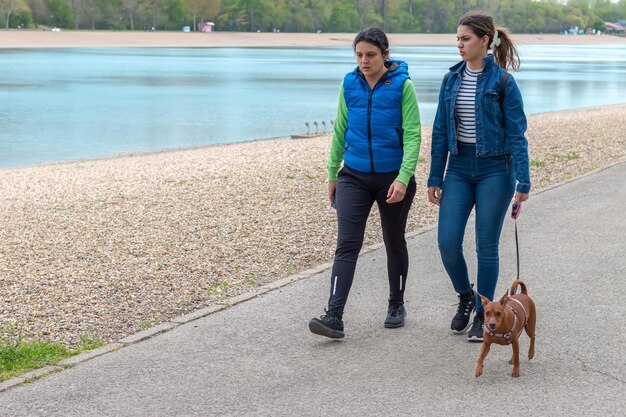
(78, 103)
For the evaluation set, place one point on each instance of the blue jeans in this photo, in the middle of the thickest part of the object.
(486, 183)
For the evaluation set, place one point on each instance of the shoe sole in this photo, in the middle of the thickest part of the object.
(319, 329)
(469, 324)
(393, 325)
(475, 339)
(389, 325)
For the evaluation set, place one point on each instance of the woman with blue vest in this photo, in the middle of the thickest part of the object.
(479, 141)
(377, 134)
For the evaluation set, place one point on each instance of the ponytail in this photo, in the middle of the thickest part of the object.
(500, 43)
(504, 50)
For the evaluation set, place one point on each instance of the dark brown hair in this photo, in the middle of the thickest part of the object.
(482, 24)
(374, 36)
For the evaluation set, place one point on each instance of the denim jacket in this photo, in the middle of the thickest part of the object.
(499, 129)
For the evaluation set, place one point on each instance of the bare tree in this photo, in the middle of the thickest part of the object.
(90, 11)
(39, 11)
(75, 14)
(155, 12)
(132, 7)
(7, 7)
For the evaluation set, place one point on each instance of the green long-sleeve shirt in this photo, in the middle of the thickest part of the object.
(411, 141)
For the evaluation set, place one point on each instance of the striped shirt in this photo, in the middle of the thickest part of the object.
(466, 107)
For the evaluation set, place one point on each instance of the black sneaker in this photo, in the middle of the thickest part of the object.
(329, 325)
(395, 316)
(476, 332)
(461, 321)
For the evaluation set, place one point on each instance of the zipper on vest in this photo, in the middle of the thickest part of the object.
(369, 124)
(369, 121)
(369, 128)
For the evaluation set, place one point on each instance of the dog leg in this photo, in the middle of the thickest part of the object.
(515, 357)
(530, 331)
(484, 350)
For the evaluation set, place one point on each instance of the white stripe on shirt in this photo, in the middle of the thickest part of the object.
(466, 107)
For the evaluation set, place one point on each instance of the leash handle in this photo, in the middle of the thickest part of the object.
(516, 209)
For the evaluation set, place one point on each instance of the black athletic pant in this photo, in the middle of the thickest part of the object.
(356, 193)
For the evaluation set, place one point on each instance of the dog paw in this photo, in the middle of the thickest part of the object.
(479, 372)
(515, 373)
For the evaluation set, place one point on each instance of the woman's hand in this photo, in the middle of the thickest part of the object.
(332, 186)
(434, 195)
(520, 197)
(396, 192)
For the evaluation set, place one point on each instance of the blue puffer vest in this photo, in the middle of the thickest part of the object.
(374, 132)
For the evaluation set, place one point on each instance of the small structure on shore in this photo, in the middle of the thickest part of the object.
(308, 133)
(206, 27)
(615, 29)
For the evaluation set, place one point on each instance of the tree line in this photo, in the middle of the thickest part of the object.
(394, 16)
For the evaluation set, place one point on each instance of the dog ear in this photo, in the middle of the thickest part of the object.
(484, 300)
(505, 298)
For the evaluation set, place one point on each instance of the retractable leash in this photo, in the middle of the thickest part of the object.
(516, 209)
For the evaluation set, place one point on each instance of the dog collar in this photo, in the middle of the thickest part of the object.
(506, 335)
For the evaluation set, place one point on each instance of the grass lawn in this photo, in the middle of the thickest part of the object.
(18, 356)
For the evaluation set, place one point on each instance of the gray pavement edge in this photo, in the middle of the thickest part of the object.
(228, 302)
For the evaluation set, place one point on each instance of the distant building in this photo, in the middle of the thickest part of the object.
(206, 26)
(614, 29)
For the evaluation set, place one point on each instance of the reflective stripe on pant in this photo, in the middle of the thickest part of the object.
(356, 193)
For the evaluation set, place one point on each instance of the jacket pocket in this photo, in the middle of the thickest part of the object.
(492, 94)
(491, 103)
(400, 137)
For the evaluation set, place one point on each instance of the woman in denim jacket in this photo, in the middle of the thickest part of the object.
(478, 140)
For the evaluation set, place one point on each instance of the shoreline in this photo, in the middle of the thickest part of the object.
(140, 154)
(35, 39)
(108, 247)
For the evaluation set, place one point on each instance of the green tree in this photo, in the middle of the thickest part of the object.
(280, 14)
(175, 14)
(344, 17)
(312, 15)
(250, 15)
(60, 13)
(204, 10)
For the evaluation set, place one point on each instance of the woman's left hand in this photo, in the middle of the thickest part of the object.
(396, 192)
(520, 197)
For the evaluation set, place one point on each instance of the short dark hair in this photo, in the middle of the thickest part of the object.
(375, 36)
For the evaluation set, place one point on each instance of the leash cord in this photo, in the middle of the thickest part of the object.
(517, 248)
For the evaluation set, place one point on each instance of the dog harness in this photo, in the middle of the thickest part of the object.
(508, 334)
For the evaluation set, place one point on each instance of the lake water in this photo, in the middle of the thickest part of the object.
(84, 103)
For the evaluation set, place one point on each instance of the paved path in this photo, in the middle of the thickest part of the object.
(259, 359)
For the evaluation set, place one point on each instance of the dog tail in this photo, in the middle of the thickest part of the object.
(521, 284)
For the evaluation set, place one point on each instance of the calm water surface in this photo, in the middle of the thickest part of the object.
(83, 103)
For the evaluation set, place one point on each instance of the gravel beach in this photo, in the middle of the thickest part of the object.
(105, 248)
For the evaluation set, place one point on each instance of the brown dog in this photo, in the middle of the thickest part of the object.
(504, 322)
